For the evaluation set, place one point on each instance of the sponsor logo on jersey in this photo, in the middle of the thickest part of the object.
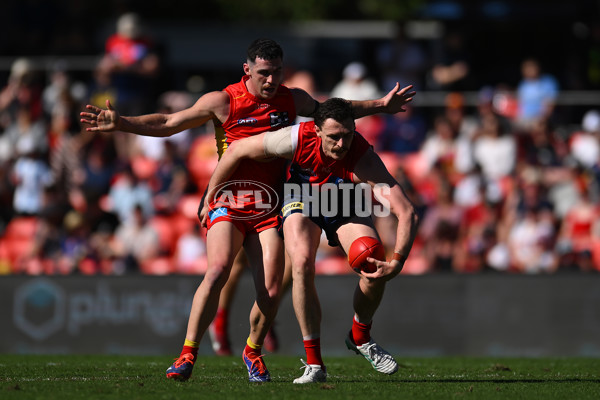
(247, 121)
(279, 119)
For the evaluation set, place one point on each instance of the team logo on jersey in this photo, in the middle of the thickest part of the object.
(251, 198)
(279, 119)
(247, 121)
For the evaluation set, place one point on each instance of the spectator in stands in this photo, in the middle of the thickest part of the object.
(494, 150)
(46, 250)
(531, 242)
(101, 86)
(128, 193)
(536, 94)
(440, 229)
(102, 258)
(61, 94)
(440, 146)
(190, 252)
(99, 166)
(451, 69)
(531, 225)
(539, 146)
(479, 233)
(171, 181)
(65, 157)
(455, 111)
(6, 195)
(31, 176)
(403, 133)
(136, 241)
(74, 242)
(23, 90)
(465, 127)
(26, 134)
(355, 84)
(579, 230)
(102, 224)
(133, 64)
(585, 143)
(401, 60)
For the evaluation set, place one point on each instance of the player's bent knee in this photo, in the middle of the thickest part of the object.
(216, 276)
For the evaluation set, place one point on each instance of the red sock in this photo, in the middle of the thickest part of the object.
(220, 320)
(361, 333)
(190, 349)
(313, 351)
(250, 351)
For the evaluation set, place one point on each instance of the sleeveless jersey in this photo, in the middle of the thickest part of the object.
(310, 165)
(249, 116)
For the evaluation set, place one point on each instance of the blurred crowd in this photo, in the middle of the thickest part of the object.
(501, 186)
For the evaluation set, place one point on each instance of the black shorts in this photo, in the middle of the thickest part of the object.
(330, 222)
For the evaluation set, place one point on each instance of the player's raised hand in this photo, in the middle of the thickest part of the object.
(101, 120)
(396, 99)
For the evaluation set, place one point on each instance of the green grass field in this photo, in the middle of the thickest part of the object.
(140, 377)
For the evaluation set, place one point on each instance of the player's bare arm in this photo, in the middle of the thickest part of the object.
(213, 105)
(305, 104)
(393, 102)
(370, 169)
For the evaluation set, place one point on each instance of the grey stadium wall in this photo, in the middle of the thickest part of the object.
(430, 315)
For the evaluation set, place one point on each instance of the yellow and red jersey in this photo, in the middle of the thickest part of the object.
(249, 116)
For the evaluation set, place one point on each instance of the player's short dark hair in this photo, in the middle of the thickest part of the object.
(334, 108)
(267, 49)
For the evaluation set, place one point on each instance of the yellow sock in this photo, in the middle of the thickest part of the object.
(253, 345)
(191, 343)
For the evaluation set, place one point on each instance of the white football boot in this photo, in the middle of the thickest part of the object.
(380, 359)
(313, 373)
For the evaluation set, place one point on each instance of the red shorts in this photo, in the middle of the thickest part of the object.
(245, 222)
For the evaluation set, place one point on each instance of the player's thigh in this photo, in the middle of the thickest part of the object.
(265, 251)
(353, 229)
(223, 242)
(301, 238)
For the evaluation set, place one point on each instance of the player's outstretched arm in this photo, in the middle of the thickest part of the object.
(392, 103)
(211, 105)
(370, 169)
(101, 120)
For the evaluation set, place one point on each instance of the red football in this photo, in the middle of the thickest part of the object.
(362, 248)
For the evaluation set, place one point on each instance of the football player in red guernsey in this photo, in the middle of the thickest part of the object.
(256, 104)
(328, 154)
